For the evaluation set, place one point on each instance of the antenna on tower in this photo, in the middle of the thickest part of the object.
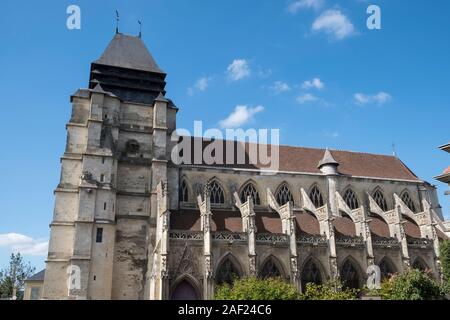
(117, 21)
(140, 28)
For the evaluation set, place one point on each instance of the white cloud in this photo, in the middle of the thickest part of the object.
(238, 69)
(279, 87)
(264, 73)
(297, 5)
(306, 98)
(334, 23)
(315, 83)
(24, 244)
(241, 115)
(379, 98)
(333, 135)
(200, 85)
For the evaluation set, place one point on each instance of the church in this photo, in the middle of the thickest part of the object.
(131, 223)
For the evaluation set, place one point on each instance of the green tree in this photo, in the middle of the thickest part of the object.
(14, 276)
(444, 252)
(331, 290)
(411, 285)
(257, 289)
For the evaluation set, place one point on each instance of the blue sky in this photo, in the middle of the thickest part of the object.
(308, 67)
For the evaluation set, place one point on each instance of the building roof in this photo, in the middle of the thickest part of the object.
(128, 52)
(307, 223)
(379, 227)
(344, 226)
(327, 159)
(412, 230)
(445, 176)
(37, 277)
(445, 147)
(305, 160)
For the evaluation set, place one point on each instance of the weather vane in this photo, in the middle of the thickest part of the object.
(394, 152)
(117, 21)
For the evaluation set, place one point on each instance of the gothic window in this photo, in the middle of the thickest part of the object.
(349, 275)
(284, 195)
(227, 272)
(316, 197)
(250, 190)
(184, 291)
(350, 199)
(311, 274)
(216, 193)
(184, 192)
(386, 269)
(406, 198)
(380, 200)
(419, 264)
(270, 270)
(132, 146)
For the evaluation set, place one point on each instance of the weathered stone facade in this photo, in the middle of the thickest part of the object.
(130, 224)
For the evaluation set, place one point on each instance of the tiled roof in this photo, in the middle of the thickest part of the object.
(306, 160)
(379, 227)
(344, 226)
(268, 222)
(411, 228)
(307, 223)
(37, 277)
(221, 220)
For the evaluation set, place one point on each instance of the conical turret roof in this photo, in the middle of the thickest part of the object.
(327, 159)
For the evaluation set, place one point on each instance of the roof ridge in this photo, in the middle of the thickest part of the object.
(301, 147)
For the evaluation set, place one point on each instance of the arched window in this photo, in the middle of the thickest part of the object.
(227, 272)
(380, 200)
(184, 192)
(419, 264)
(216, 193)
(250, 190)
(311, 274)
(406, 198)
(316, 197)
(350, 199)
(386, 268)
(284, 195)
(270, 269)
(184, 291)
(349, 275)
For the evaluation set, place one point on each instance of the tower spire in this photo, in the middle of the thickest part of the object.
(117, 21)
(140, 28)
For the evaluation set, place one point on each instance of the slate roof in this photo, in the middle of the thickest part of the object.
(327, 159)
(128, 52)
(37, 277)
(305, 160)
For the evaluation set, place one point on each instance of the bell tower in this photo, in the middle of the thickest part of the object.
(104, 221)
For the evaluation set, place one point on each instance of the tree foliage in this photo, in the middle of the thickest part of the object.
(331, 290)
(14, 276)
(412, 285)
(257, 289)
(444, 252)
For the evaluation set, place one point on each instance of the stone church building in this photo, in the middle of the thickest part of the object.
(129, 223)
